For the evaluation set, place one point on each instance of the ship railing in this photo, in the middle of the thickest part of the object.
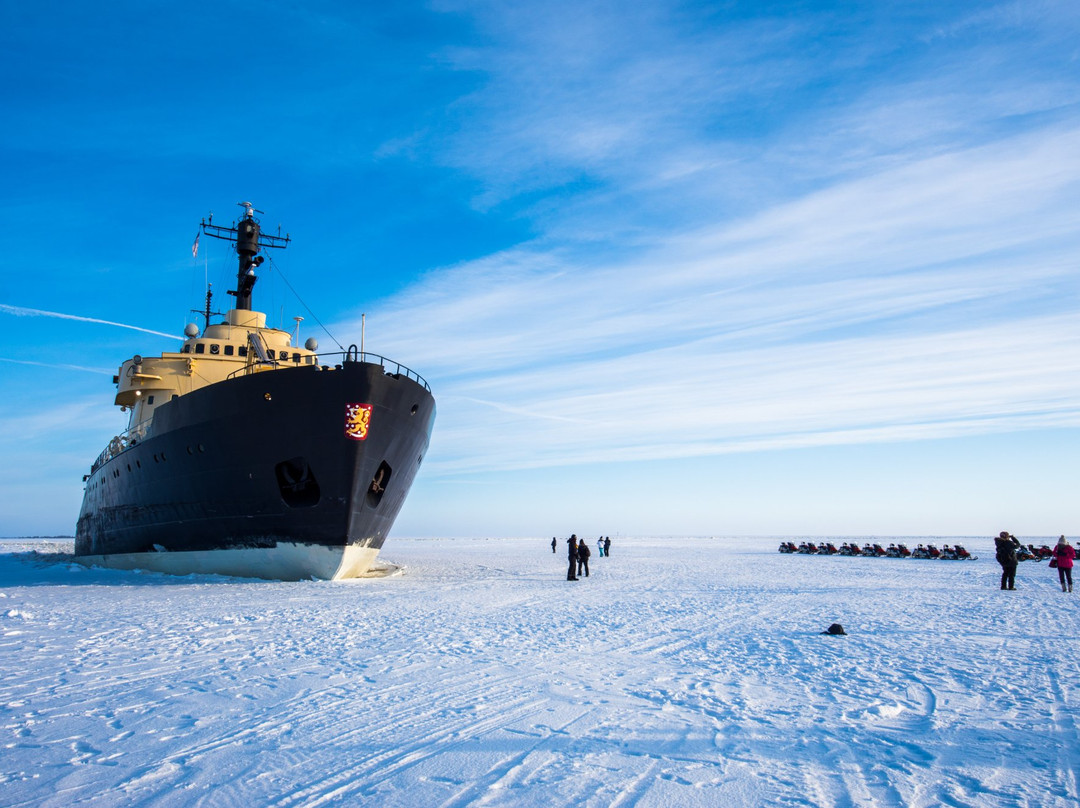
(121, 443)
(335, 359)
(355, 355)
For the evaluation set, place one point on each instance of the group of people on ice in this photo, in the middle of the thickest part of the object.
(578, 553)
(1009, 554)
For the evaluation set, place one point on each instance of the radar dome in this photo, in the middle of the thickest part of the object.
(312, 344)
(191, 330)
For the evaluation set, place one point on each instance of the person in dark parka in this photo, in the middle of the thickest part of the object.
(583, 553)
(571, 555)
(607, 546)
(1006, 546)
(554, 543)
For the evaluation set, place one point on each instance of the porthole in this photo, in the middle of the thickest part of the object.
(214, 348)
(189, 450)
(415, 407)
(201, 448)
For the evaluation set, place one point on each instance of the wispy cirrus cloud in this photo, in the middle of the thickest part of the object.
(923, 301)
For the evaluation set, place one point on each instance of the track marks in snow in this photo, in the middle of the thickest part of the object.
(677, 674)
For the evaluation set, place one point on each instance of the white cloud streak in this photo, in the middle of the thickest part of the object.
(20, 311)
(59, 365)
(929, 300)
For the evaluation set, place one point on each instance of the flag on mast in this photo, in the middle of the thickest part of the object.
(195, 246)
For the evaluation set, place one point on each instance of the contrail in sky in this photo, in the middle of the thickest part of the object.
(53, 365)
(19, 311)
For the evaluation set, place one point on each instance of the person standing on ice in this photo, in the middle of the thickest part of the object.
(1006, 556)
(554, 544)
(607, 546)
(571, 555)
(1064, 555)
(583, 553)
(600, 546)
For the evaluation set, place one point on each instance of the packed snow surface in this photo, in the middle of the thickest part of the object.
(682, 672)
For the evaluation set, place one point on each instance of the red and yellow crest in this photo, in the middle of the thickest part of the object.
(357, 421)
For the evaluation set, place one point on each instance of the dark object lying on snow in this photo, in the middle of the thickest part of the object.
(835, 628)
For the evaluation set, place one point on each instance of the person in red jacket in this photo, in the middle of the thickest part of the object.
(1064, 555)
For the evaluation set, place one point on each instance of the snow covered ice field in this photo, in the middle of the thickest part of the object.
(683, 672)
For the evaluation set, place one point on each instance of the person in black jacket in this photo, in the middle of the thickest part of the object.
(1007, 545)
(571, 555)
(553, 544)
(583, 553)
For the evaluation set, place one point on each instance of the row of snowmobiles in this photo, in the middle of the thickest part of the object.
(1032, 553)
(955, 552)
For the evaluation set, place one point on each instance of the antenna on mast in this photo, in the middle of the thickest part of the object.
(207, 312)
(249, 239)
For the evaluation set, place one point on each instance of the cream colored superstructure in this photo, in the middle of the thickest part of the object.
(241, 344)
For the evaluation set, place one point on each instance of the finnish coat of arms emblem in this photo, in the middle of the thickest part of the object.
(357, 421)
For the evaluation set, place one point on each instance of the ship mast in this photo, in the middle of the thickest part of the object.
(249, 239)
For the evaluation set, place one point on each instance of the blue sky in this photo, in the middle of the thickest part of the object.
(676, 268)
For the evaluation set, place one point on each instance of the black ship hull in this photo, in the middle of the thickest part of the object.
(258, 475)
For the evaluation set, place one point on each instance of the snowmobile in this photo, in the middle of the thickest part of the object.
(788, 547)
